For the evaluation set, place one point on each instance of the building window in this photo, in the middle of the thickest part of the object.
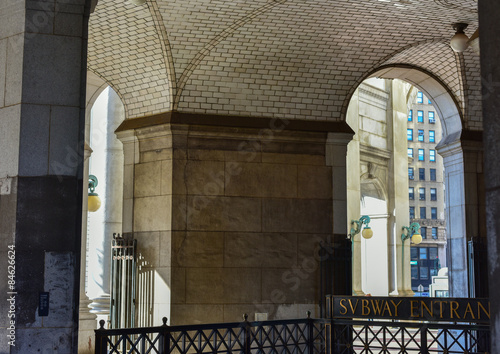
(423, 232)
(411, 192)
(431, 117)
(409, 134)
(421, 174)
(422, 213)
(410, 115)
(433, 194)
(432, 155)
(434, 233)
(420, 116)
(410, 152)
(433, 174)
(420, 135)
(434, 213)
(421, 155)
(432, 138)
(429, 102)
(410, 173)
(412, 213)
(421, 193)
(420, 97)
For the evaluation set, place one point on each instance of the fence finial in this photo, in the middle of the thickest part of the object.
(245, 316)
(102, 323)
(308, 313)
(164, 319)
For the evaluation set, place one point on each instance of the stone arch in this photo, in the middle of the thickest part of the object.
(443, 99)
(445, 102)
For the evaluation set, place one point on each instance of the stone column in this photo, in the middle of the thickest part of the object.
(240, 216)
(399, 203)
(42, 88)
(464, 206)
(489, 32)
(353, 186)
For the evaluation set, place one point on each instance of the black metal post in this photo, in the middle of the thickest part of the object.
(165, 337)
(101, 339)
(423, 340)
(310, 333)
(247, 340)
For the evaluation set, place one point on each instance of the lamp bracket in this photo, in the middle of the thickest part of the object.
(409, 231)
(460, 27)
(357, 224)
(93, 182)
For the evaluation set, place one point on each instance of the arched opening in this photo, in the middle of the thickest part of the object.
(104, 160)
(380, 123)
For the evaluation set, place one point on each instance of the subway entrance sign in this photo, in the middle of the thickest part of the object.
(409, 308)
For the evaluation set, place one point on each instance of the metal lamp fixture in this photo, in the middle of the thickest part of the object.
(412, 233)
(94, 202)
(459, 42)
(356, 227)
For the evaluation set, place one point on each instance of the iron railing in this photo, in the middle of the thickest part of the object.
(288, 336)
(311, 336)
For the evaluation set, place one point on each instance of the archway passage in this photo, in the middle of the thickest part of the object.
(460, 149)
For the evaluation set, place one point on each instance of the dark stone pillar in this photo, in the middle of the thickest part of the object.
(42, 113)
(489, 16)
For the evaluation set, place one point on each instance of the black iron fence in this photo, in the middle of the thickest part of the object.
(311, 336)
(287, 336)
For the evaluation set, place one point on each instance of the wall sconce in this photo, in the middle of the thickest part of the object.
(459, 42)
(412, 233)
(94, 202)
(356, 228)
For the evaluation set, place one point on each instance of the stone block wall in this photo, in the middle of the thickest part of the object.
(231, 221)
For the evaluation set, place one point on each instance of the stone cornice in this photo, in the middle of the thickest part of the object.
(234, 122)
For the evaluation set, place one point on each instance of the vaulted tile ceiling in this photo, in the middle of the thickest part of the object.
(278, 58)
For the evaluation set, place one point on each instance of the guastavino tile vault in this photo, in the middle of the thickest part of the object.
(240, 139)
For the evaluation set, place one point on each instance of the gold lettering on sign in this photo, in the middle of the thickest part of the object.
(440, 302)
(412, 303)
(479, 307)
(353, 309)
(387, 308)
(429, 310)
(396, 307)
(453, 309)
(468, 309)
(344, 307)
(364, 305)
(377, 307)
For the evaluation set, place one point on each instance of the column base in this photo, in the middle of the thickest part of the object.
(101, 305)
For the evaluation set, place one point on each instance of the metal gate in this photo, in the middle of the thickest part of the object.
(123, 281)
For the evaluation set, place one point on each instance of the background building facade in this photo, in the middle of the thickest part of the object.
(426, 191)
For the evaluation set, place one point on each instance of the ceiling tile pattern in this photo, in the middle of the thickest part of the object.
(437, 58)
(283, 58)
(473, 96)
(125, 50)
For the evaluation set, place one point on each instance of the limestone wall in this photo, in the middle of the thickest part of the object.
(230, 221)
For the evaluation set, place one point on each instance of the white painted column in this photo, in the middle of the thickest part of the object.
(455, 218)
(107, 166)
(353, 186)
(398, 190)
